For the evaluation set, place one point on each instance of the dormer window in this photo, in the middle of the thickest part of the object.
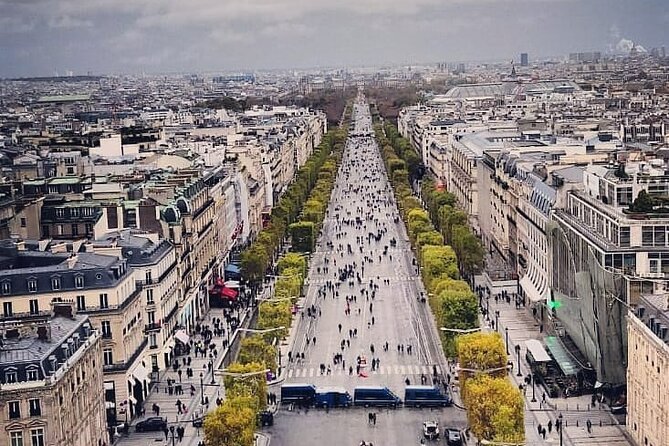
(60, 212)
(10, 377)
(79, 281)
(74, 212)
(32, 285)
(32, 374)
(6, 287)
(55, 283)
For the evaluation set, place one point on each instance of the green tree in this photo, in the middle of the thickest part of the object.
(254, 262)
(303, 236)
(254, 349)
(448, 217)
(468, 249)
(292, 260)
(458, 310)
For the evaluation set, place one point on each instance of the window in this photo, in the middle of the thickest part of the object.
(106, 329)
(16, 439)
(45, 231)
(6, 287)
(32, 285)
(107, 356)
(153, 341)
(33, 374)
(34, 306)
(148, 277)
(89, 228)
(625, 236)
(10, 377)
(60, 212)
(35, 409)
(24, 223)
(75, 229)
(7, 309)
(74, 212)
(104, 300)
(647, 236)
(55, 283)
(149, 296)
(14, 410)
(79, 281)
(37, 437)
(59, 229)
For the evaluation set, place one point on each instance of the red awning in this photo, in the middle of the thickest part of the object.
(229, 292)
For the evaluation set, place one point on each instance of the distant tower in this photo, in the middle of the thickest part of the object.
(524, 60)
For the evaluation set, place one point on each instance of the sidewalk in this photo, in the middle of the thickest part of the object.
(575, 410)
(210, 384)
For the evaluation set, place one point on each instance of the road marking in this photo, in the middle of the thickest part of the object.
(290, 373)
(402, 369)
(311, 372)
(397, 370)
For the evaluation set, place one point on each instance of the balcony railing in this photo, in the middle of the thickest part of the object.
(153, 326)
(121, 367)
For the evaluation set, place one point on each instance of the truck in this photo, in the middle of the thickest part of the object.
(300, 394)
(425, 396)
(328, 397)
(375, 396)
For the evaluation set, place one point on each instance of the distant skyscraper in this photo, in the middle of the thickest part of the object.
(524, 60)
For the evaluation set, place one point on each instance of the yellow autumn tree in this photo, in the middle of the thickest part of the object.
(253, 386)
(495, 409)
(480, 353)
(231, 424)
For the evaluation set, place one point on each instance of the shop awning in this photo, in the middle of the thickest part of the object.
(561, 356)
(232, 284)
(141, 374)
(182, 336)
(530, 290)
(537, 350)
(229, 292)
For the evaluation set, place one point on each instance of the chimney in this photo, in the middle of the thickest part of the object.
(64, 309)
(72, 261)
(44, 331)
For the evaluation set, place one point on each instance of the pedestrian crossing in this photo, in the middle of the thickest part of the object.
(397, 369)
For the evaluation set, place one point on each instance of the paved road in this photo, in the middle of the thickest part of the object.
(384, 307)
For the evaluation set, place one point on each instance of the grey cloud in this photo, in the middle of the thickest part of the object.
(177, 35)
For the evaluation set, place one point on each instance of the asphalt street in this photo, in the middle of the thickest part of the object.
(363, 280)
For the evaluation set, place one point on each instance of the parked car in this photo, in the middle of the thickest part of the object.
(151, 424)
(453, 437)
(431, 430)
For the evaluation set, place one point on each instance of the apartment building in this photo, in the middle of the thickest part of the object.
(647, 386)
(51, 380)
(102, 287)
(153, 261)
(605, 255)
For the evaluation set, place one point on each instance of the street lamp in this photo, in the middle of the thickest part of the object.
(518, 358)
(560, 419)
(461, 330)
(211, 362)
(257, 331)
(533, 377)
(172, 431)
(202, 388)
(506, 333)
(497, 321)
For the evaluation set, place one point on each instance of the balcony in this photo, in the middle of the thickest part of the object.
(123, 366)
(155, 326)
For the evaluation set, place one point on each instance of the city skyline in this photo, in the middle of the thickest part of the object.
(102, 37)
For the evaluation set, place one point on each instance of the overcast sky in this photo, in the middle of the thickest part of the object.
(45, 37)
